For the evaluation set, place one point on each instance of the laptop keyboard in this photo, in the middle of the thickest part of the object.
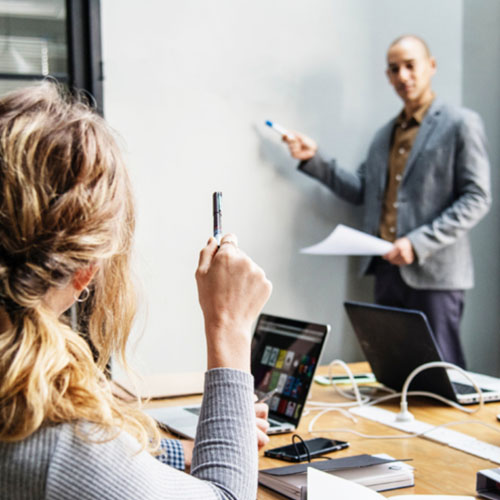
(466, 388)
(196, 411)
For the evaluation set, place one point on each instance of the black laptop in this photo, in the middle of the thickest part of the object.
(396, 341)
(285, 355)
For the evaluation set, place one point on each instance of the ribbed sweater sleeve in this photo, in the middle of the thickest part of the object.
(56, 463)
(226, 438)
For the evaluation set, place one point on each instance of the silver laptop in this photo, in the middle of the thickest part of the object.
(285, 354)
(396, 341)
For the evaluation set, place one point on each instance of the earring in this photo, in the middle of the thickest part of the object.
(83, 296)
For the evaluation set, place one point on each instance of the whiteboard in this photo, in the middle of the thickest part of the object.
(189, 85)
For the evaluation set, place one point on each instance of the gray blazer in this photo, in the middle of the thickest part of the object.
(444, 192)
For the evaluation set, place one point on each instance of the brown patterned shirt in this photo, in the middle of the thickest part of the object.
(403, 136)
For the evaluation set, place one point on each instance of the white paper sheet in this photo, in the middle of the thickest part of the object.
(324, 486)
(348, 241)
(432, 497)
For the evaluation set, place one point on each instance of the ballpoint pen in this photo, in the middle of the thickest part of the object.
(217, 212)
(267, 396)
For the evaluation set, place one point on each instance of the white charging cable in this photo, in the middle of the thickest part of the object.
(324, 407)
(404, 415)
(361, 400)
(355, 396)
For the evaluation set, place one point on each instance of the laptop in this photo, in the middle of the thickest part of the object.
(285, 354)
(396, 341)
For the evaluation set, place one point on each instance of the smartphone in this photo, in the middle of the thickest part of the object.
(297, 453)
(361, 378)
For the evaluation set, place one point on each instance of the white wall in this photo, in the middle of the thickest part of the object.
(481, 91)
(189, 85)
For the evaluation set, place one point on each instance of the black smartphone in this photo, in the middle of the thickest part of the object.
(297, 452)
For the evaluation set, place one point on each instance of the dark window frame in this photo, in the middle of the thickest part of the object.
(85, 66)
(84, 52)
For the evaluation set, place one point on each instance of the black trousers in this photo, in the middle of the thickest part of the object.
(443, 308)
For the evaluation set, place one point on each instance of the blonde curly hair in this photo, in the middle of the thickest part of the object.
(65, 204)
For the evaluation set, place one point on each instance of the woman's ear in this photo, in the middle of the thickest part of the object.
(83, 277)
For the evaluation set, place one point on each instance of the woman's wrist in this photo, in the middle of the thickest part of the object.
(229, 356)
(228, 347)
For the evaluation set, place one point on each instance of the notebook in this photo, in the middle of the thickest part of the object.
(377, 472)
(396, 341)
(285, 354)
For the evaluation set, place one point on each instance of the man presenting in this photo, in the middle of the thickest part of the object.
(424, 184)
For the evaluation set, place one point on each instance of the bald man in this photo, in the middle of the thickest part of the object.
(424, 184)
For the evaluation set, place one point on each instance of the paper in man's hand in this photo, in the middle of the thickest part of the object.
(348, 241)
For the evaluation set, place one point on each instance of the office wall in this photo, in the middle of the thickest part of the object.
(481, 91)
(189, 85)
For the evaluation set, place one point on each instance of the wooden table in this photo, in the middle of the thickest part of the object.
(438, 468)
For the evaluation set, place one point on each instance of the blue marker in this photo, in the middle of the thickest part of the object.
(217, 212)
(279, 129)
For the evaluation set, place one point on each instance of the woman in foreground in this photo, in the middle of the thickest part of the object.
(66, 229)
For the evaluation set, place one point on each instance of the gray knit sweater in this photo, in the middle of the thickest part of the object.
(56, 463)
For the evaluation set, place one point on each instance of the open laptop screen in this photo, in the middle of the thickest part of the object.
(285, 354)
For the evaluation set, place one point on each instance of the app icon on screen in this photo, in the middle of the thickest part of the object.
(266, 354)
(281, 382)
(281, 358)
(289, 360)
